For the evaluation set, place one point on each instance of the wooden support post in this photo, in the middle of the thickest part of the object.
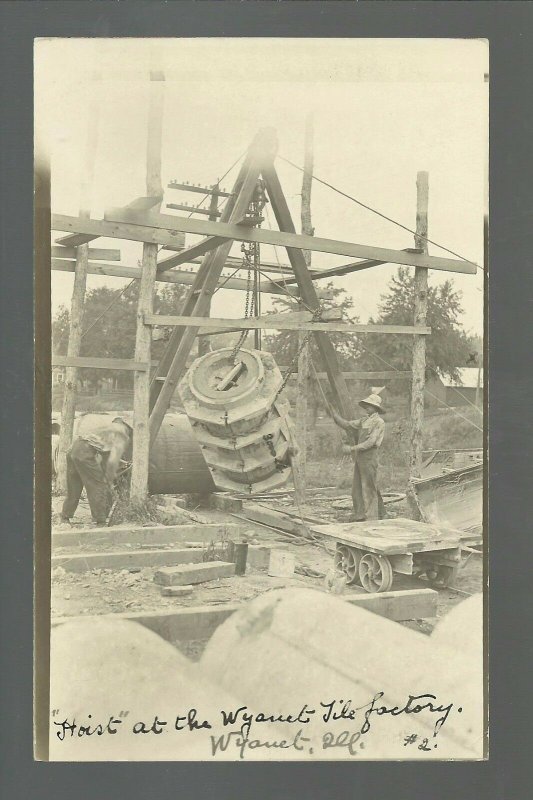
(143, 341)
(302, 381)
(203, 343)
(307, 291)
(78, 296)
(419, 342)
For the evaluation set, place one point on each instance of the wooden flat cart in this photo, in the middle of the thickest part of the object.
(370, 553)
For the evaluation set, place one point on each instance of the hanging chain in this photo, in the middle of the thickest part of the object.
(251, 262)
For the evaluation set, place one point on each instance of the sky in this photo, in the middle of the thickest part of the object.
(383, 109)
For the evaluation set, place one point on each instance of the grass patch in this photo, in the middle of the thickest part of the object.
(136, 512)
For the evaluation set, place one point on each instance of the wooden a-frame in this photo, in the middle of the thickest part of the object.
(258, 163)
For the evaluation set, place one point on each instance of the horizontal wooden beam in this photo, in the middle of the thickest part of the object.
(168, 534)
(99, 254)
(75, 239)
(263, 322)
(194, 251)
(92, 362)
(172, 276)
(200, 622)
(152, 228)
(287, 316)
(170, 224)
(187, 187)
(194, 210)
(126, 559)
(346, 269)
(234, 261)
(365, 375)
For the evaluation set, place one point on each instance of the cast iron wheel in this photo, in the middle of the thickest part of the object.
(441, 576)
(375, 573)
(347, 561)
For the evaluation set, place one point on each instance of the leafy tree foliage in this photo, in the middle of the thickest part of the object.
(284, 345)
(109, 325)
(447, 348)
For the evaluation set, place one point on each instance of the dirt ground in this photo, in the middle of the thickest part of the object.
(108, 591)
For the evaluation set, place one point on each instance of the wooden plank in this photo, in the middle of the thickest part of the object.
(145, 303)
(187, 187)
(168, 534)
(390, 537)
(194, 573)
(299, 463)
(172, 276)
(234, 261)
(307, 290)
(127, 559)
(419, 318)
(195, 622)
(194, 210)
(76, 318)
(366, 375)
(166, 230)
(200, 622)
(165, 225)
(98, 253)
(399, 605)
(75, 239)
(91, 362)
(198, 249)
(264, 322)
(272, 518)
(290, 316)
(151, 201)
(68, 408)
(353, 266)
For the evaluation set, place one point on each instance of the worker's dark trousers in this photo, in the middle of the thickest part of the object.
(85, 470)
(367, 501)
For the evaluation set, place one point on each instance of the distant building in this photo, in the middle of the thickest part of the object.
(461, 392)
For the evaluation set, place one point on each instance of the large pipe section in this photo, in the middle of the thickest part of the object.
(296, 647)
(177, 465)
(119, 674)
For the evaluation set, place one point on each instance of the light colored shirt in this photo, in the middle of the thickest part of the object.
(112, 442)
(371, 429)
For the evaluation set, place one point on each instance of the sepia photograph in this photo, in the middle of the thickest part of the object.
(268, 264)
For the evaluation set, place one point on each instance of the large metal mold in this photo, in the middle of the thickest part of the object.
(241, 425)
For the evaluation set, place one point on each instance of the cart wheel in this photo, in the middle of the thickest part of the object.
(375, 573)
(347, 561)
(441, 576)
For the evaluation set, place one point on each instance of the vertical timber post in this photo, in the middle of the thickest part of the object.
(302, 384)
(143, 340)
(77, 305)
(203, 341)
(419, 342)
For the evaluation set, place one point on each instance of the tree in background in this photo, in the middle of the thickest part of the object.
(448, 346)
(284, 345)
(109, 325)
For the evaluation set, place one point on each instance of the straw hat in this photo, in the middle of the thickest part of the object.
(373, 400)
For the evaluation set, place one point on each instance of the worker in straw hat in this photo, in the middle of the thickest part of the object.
(367, 501)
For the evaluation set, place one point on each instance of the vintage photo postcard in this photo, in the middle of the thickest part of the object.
(268, 260)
